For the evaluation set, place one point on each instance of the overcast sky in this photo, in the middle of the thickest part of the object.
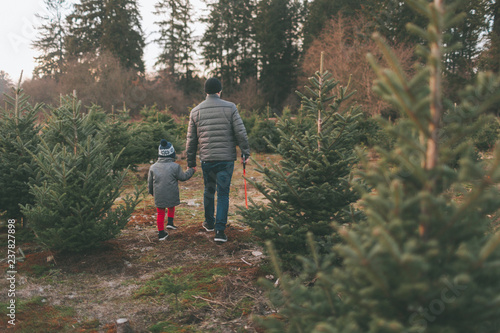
(17, 22)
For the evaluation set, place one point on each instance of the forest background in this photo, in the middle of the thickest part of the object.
(261, 50)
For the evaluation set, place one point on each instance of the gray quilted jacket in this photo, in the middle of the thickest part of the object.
(216, 128)
(163, 180)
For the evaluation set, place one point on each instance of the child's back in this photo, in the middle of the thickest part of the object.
(163, 184)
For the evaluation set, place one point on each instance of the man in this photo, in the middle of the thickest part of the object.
(215, 126)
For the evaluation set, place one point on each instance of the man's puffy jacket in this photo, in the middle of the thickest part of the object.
(215, 126)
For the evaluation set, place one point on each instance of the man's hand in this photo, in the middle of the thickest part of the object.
(244, 158)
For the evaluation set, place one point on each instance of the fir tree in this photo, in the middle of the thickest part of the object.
(309, 189)
(18, 133)
(113, 26)
(425, 259)
(155, 125)
(51, 39)
(390, 18)
(321, 11)
(494, 38)
(277, 27)
(5, 83)
(121, 138)
(229, 45)
(175, 38)
(75, 207)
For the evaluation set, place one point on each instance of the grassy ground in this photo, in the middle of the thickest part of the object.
(187, 283)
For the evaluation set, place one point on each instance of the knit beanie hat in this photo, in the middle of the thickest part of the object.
(213, 86)
(166, 149)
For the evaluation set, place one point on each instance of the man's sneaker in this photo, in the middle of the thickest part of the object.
(171, 226)
(220, 236)
(207, 228)
(162, 235)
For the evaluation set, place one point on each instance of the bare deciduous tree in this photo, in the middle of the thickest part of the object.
(346, 44)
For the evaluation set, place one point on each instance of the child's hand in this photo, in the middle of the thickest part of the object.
(194, 168)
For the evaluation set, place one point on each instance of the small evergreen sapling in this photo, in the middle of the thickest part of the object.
(173, 284)
(309, 189)
(155, 125)
(75, 207)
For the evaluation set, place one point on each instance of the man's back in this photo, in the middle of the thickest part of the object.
(216, 126)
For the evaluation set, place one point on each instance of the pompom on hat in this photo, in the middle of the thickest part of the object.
(166, 149)
(213, 86)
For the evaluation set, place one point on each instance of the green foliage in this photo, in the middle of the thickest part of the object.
(390, 18)
(74, 208)
(303, 301)
(171, 327)
(119, 137)
(228, 44)
(464, 42)
(263, 136)
(113, 26)
(373, 134)
(50, 41)
(5, 83)
(309, 189)
(184, 285)
(176, 38)
(171, 284)
(136, 143)
(490, 59)
(487, 136)
(260, 130)
(146, 135)
(463, 39)
(248, 119)
(18, 135)
(277, 34)
(321, 11)
(151, 114)
(424, 260)
(48, 318)
(477, 128)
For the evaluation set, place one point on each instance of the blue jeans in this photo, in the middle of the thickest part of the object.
(217, 177)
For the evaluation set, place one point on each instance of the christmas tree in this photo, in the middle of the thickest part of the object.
(75, 205)
(18, 132)
(309, 188)
(425, 259)
(155, 125)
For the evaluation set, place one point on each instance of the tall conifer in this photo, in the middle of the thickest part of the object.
(51, 40)
(176, 38)
(277, 27)
(113, 26)
(229, 46)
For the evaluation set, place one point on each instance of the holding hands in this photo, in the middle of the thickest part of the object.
(244, 158)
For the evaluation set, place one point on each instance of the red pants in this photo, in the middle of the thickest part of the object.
(160, 217)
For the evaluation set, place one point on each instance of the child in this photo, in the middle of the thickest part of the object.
(163, 184)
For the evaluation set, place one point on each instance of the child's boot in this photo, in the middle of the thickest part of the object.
(162, 235)
(170, 224)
